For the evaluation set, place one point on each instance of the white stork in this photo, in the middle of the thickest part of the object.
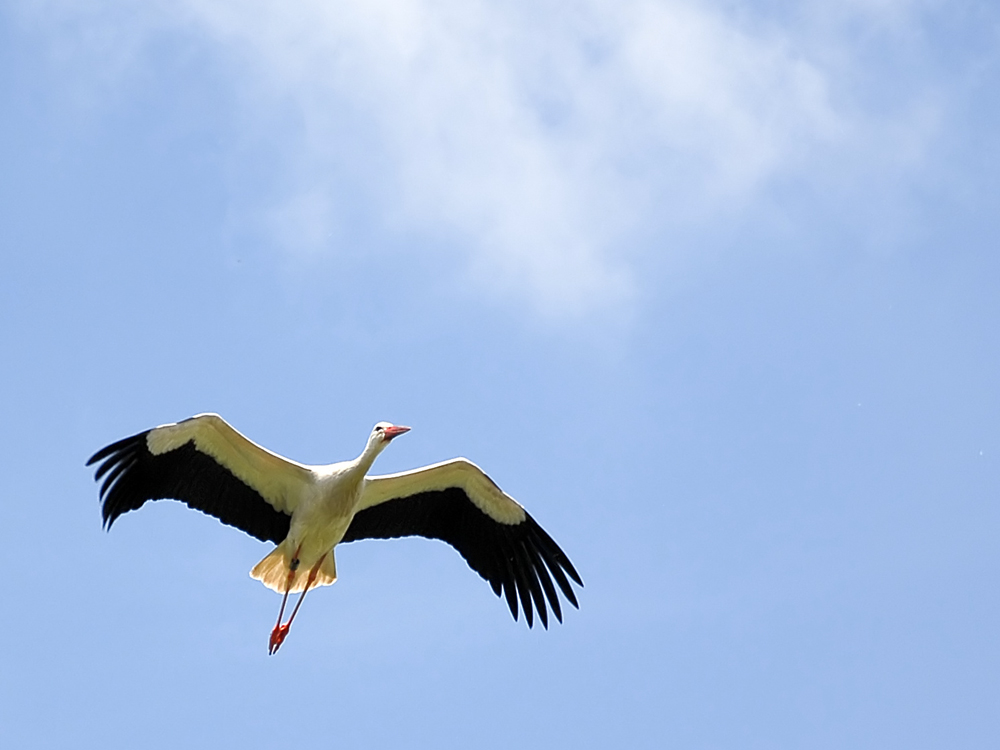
(308, 510)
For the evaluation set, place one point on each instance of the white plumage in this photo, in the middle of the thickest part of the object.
(308, 510)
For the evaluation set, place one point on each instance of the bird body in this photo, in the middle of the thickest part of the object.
(308, 510)
(321, 516)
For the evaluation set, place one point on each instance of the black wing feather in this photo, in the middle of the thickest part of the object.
(512, 557)
(134, 475)
(557, 562)
(543, 575)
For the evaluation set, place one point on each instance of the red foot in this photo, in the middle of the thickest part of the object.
(277, 638)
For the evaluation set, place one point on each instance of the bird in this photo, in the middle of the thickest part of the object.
(307, 510)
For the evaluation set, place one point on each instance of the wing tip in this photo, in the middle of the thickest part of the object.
(115, 447)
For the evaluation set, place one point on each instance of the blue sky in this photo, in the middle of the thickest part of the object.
(710, 288)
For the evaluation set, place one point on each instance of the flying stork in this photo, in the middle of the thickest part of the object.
(308, 510)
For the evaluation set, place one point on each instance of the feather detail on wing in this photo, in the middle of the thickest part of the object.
(457, 503)
(457, 472)
(209, 466)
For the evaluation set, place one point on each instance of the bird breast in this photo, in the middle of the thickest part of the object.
(322, 517)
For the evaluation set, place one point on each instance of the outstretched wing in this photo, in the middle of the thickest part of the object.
(457, 503)
(209, 466)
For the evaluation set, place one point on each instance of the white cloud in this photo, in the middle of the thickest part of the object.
(537, 136)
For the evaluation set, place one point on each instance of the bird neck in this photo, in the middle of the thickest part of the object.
(367, 458)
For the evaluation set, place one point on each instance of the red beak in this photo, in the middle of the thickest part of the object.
(394, 431)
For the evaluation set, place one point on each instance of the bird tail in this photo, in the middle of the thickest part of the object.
(272, 571)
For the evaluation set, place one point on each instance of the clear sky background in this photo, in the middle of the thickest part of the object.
(710, 287)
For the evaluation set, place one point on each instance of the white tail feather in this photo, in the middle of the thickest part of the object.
(272, 571)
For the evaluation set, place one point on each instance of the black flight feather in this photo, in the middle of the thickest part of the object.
(509, 556)
(135, 475)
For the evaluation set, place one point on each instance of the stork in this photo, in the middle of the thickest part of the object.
(308, 510)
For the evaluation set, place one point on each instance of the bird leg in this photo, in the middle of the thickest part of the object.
(280, 631)
(309, 582)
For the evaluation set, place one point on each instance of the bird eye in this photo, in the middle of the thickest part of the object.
(379, 428)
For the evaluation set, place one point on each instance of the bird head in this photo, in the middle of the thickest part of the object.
(384, 432)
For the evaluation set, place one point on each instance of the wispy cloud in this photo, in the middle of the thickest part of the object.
(536, 136)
